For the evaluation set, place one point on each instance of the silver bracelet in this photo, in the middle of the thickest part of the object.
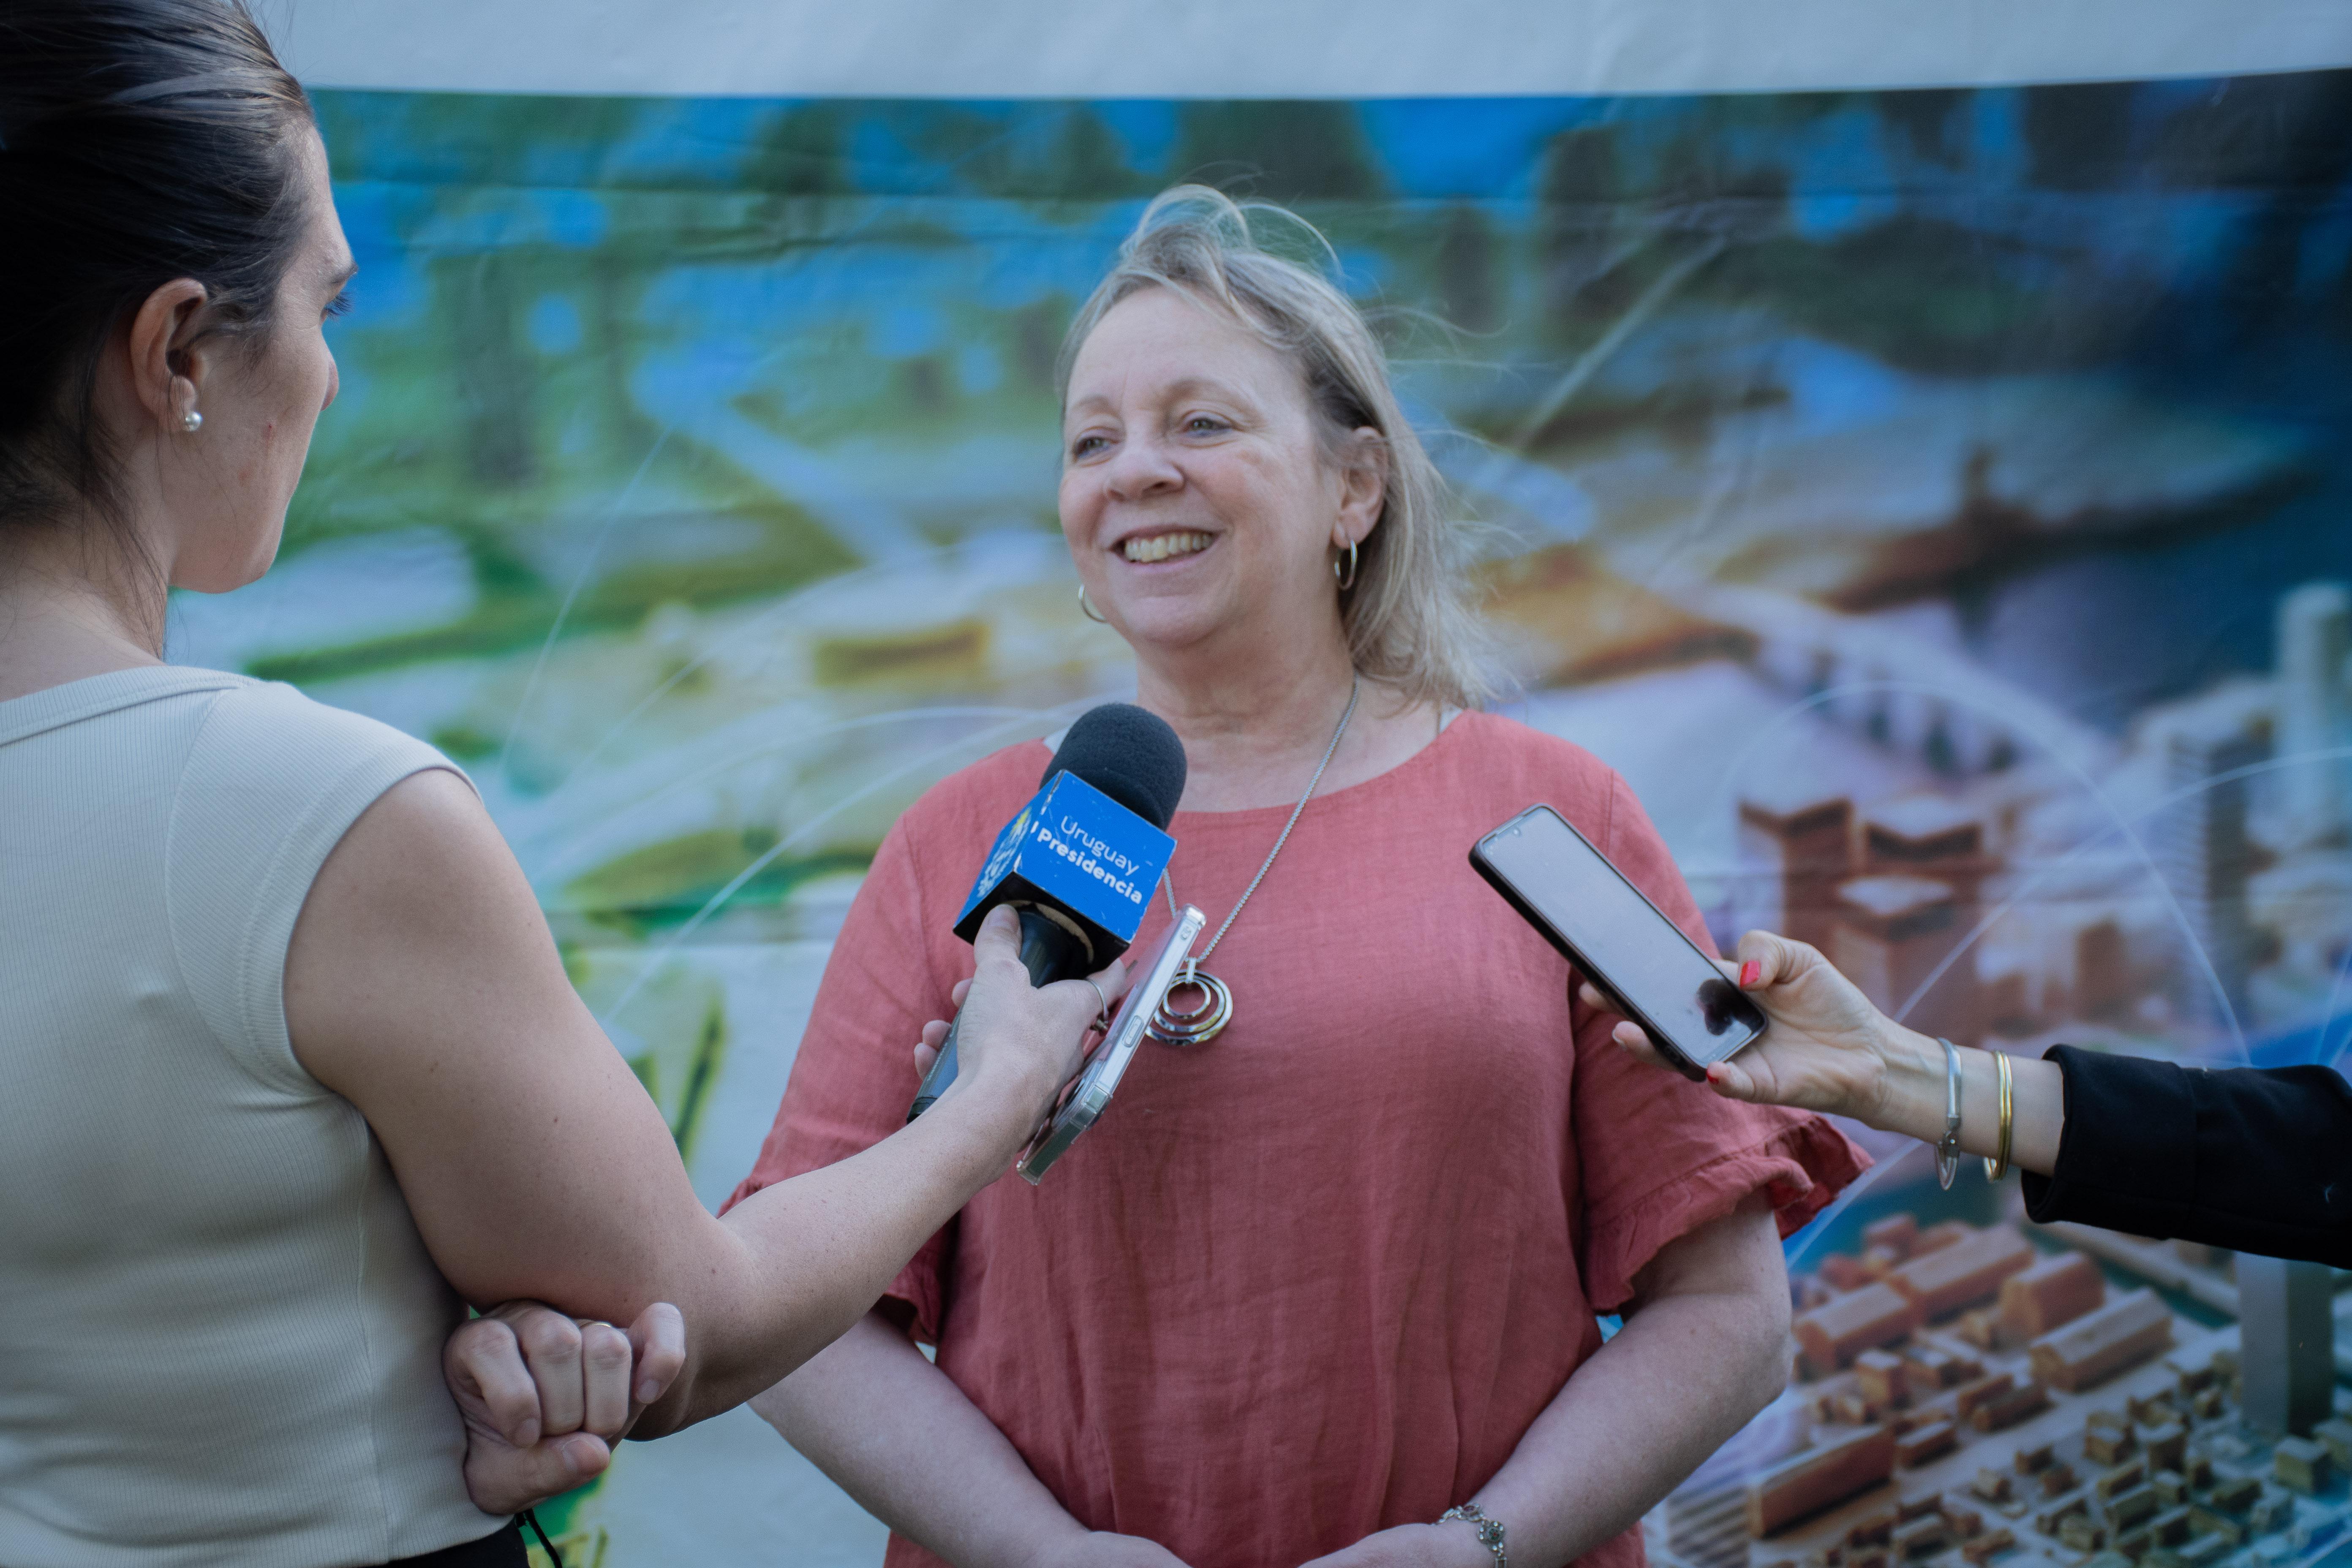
(1489, 1528)
(1948, 1153)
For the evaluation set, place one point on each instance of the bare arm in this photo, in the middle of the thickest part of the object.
(897, 1434)
(423, 985)
(2241, 1158)
(1703, 1348)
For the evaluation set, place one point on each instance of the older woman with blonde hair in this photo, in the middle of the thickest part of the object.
(1324, 1284)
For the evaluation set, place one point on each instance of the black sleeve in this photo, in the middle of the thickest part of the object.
(2254, 1161)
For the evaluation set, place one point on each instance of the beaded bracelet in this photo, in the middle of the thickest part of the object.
(1490, 1529)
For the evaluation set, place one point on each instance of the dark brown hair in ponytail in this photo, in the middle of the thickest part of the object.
(140, 140)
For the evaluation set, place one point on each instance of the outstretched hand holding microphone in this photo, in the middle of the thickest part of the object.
(545, 1396)
(1003, 1078)
(1060, 894)
(1077, 865)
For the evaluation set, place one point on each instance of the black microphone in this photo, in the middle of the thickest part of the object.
(1080, 861)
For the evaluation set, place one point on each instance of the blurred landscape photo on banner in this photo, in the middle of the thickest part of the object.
(1937, 503)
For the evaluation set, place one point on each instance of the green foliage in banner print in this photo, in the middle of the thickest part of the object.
(1289, 152)
(651, 885)
(683, 1101)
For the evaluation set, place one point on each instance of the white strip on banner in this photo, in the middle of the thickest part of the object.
(1307, 49)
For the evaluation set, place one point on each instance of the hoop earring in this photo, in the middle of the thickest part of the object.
(1347, 578)
(1088, 610)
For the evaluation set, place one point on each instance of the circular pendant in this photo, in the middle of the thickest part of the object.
(1195, 1026)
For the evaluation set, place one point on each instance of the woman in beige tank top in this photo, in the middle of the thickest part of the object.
(293, 1067)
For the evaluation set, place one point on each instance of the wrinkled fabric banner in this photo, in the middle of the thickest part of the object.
(1937, 503)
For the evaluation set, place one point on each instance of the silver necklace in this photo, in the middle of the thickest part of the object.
(1204, 1022)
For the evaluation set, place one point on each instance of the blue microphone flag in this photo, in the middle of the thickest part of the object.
(1075, 848)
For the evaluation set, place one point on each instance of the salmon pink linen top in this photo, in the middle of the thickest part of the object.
(1317, 1277)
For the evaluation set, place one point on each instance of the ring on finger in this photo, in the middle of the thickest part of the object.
(1102, 1016)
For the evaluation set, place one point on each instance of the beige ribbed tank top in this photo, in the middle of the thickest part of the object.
(219, 1332)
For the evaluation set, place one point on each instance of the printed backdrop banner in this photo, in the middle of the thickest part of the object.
(1937, 503)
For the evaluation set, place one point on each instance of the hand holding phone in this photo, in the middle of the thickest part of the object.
(1828, 1048)
(1618, 939)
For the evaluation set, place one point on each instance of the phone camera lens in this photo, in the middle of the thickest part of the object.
(1718, 1003)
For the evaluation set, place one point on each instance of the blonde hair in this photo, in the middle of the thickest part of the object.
(1409, 617)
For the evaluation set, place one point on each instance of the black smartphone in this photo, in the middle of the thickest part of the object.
(1617, 939)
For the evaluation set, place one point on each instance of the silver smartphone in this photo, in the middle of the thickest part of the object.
(1086, 1095)
(1618, 939)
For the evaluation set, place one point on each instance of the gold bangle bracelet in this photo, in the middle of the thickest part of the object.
(1998, 1166)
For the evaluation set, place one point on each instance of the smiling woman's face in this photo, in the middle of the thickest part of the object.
(1196, 495)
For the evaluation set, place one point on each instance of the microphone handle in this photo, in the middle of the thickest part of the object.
(1049, 952)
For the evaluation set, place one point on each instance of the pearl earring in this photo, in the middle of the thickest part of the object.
(192, 421)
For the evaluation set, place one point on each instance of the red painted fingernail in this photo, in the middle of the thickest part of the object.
(1751, 973)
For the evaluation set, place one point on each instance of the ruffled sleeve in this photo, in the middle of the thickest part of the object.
(1659, 1156)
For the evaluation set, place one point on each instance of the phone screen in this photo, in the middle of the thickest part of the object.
(1632, 954)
